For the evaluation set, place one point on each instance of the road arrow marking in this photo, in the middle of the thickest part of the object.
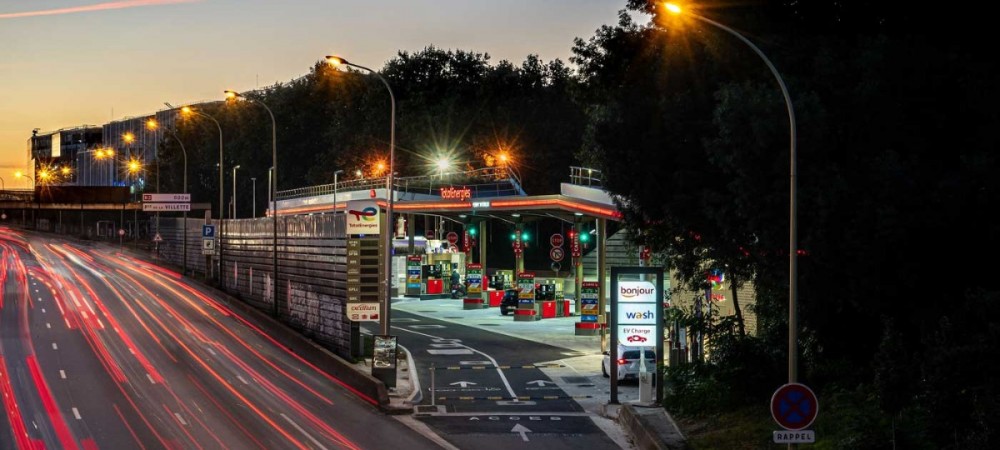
(463, 383)
(521, 429)
(540, 383)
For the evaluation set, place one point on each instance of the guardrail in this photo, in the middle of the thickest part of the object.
(489, 181)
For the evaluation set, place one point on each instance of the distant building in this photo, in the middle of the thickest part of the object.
(54, 155)
(99, 155)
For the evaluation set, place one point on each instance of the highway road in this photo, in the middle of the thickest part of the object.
(101, 350)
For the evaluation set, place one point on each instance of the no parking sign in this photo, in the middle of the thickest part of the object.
(794, 406)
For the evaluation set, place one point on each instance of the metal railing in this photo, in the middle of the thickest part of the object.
(584, 176)
(485, 182)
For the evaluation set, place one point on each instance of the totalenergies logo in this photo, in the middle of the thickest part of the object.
(365, 215)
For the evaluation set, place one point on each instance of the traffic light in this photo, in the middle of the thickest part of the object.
(584, 237)
(524, 236)
(472, 230)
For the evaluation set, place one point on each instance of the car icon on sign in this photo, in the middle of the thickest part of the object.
(636, 338)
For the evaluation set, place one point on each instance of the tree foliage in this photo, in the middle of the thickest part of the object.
(894, 152)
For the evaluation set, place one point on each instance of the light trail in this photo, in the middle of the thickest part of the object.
(91, 8)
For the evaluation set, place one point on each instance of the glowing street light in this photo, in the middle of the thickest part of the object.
(442, 163)
(387, 305)
(230, 94)
(792, 224)
(187, 111)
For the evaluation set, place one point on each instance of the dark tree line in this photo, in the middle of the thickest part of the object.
(897, 120)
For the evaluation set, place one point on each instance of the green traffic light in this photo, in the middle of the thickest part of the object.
(584, 237)
(524, 236)
(513, 236)
(472, 231)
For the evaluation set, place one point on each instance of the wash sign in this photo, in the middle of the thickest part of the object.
(638, 312)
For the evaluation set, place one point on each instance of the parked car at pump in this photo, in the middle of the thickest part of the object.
(628, 362)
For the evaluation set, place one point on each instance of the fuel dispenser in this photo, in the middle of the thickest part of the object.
(432, 275)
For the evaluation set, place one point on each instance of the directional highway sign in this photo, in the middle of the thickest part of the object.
(166, 198)
(166, 206)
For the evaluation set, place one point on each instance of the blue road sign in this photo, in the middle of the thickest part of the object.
(794, 406)
(208, 231)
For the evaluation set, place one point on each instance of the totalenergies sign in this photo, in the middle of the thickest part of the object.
(363, 217)
(637, 292)
(453, 193)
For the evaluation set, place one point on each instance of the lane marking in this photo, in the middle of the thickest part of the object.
(240, 377)
(150, 378)
(48, 325)
(43, 310)
(456, 351)
(503, 377)
(180, 419)
(54, 346)
(297, 427)
(76, 413)
(62, 374)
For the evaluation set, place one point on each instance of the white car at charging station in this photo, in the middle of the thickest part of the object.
(628, 362)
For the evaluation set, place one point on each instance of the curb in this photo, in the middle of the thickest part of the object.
(651, 428)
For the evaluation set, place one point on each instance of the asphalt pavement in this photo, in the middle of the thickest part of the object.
(575, 369)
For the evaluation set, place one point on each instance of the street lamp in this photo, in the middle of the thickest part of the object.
(234, 190)
(335, 190)
(793, 357)
(336, 61)
(185, 187)
(187, 110)
(230, 94)
(134, 166)
(253, 181)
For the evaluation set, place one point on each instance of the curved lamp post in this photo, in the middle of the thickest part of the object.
(185, 187)
(338, 172)
(274, 190)
(793, 356)
(336, 61)
(19, 174)
(234, 190)
(188, 110)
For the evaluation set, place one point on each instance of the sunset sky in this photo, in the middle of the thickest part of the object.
(66, 63)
